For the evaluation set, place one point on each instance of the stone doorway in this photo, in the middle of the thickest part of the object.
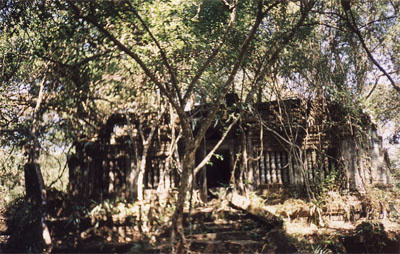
(219, 169)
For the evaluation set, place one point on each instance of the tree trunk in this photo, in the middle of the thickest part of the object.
(33, 173)
(146, 141)
(32, 188)
(188, 165)
(142, 169)
(203, 176)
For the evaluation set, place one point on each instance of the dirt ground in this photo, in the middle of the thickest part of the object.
(338, 226)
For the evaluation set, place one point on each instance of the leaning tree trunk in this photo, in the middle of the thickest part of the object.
(33, 172)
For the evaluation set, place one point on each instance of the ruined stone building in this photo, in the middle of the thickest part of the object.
(283, 143)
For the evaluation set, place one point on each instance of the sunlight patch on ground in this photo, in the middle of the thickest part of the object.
(300, 227)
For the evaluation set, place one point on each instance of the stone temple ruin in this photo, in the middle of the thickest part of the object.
(285, 143)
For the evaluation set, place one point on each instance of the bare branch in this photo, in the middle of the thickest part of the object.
(353, 27)
(211, 153)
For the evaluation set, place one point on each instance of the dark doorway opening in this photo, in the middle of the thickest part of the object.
(218, 170)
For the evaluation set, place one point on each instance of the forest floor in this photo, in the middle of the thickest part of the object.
(220, 226)
(3, 230)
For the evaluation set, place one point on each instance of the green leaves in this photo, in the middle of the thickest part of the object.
(89, 76)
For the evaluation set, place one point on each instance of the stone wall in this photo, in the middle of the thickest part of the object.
(285, 148)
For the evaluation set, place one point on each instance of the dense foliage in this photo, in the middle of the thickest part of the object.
(66, 66)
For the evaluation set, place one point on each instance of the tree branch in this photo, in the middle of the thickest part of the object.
(353, 27)
(175, 81)
(212, 56)
(124, 48)
(211, 153)
(274, 54)
(243, 50)
(91, 19)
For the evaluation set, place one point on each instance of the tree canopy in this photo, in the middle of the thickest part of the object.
(66, 65)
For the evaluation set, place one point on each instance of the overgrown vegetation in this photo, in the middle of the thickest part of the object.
(11, 180)
(67, 67)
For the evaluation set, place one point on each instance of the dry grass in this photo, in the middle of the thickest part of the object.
(326, 221)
